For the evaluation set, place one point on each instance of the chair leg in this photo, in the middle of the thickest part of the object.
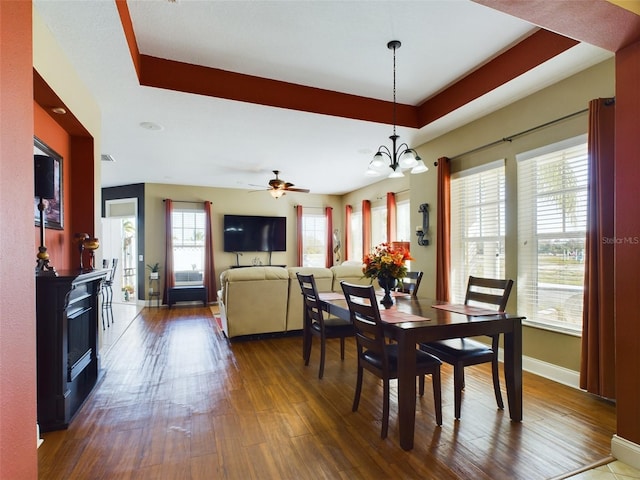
(341, 348)
(356, 397)
(496, 383)
(385, 409)
(437, 395)
(104, 306)
(307, 350)
(421, 385)
(458, 385)
(323, 342)
(111, 304)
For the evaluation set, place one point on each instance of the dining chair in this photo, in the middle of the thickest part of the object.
(410, 283)
(380, 357)
(107, 290)
(464, 352)
(315, 323)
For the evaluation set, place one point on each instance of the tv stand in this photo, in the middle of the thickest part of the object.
(239, 254)
(252, 266)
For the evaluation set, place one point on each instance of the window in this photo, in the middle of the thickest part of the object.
(355, 248)
(188, 232)
(552, 221)
(314, 240)
(477, 226)
(378, 225)
(403, 221)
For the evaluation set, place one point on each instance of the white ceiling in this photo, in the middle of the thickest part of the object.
(333, 45)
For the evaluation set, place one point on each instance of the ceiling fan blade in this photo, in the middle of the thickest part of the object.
(300, 190)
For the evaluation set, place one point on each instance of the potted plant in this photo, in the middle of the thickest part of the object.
(155, 269)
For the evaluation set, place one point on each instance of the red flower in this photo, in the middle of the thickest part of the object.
(385, 260)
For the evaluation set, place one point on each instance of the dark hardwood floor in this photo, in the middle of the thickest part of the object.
(179, 401)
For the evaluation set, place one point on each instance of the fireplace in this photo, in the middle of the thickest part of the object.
(67, 310)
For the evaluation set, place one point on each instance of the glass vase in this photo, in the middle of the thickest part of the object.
(387, 284)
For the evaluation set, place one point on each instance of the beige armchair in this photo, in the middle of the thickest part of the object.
(253, 300)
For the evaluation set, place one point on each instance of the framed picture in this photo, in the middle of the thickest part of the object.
(53, 212)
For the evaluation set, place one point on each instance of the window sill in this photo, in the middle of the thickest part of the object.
(553, 328)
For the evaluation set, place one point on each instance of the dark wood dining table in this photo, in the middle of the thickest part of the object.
(410, 321)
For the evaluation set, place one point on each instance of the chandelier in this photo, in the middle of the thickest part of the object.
(400, 157)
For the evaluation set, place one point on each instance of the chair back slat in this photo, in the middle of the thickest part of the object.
(310, 297)
(410, 283)
(488, 291)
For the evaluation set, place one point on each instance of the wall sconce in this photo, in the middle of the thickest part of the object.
(421, 231)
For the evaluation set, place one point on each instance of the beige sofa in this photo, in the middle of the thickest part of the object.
(256, 300)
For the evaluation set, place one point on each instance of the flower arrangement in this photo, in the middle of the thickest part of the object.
(386, 261)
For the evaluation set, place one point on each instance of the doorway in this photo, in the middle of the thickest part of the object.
(120, 240)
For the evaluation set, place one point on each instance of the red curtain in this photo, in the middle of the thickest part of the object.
(597, 369)
(348, 210)
(299, 233)
(328, 211)
(170, 280)
(209, 267)
(443, 229)
(366, 227)
(392, 217)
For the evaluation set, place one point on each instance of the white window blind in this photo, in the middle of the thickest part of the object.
(378, 225)
(477, 226)
(552, 220)
(314, 239)
(355, 247)
(403, 224)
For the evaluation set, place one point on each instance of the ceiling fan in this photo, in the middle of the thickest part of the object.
(278, 187)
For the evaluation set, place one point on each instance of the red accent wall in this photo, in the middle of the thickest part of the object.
(66, 136)
(18, 453)
(54, 136)
(627, 232)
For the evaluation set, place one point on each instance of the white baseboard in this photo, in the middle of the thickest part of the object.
(548, 370)
(621, 449)
(626, 451)
(38, 439)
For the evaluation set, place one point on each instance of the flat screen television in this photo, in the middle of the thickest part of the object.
(248, 233)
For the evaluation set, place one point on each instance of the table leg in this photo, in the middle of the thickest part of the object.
(406, 391)
(513, 370)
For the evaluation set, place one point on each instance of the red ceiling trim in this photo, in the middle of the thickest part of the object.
(597, 22)
(47, 98)
(129, 34)
(529, 53)
(184, 77)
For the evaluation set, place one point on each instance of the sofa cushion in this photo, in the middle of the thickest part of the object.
(348, 273)
(324, 282)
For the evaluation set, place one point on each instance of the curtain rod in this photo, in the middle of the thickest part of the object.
(185, 201)
(517, 135)
(319, 208)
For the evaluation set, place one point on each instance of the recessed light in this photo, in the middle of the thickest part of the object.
(151, 126)
(59, 110)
